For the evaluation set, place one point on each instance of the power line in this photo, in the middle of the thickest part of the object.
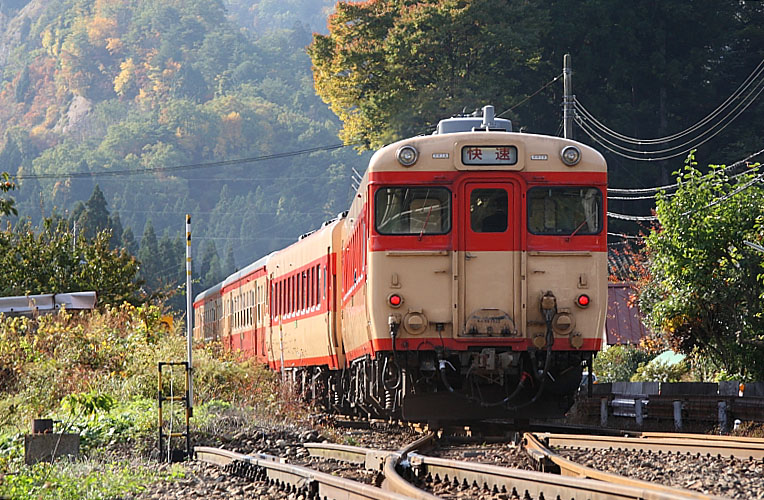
(757, 72)
(192, 166)
(604, 142)
(615, 215)
(541, 89)
(744, 161)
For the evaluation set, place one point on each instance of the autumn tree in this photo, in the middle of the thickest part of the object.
(704, 291)
(392, 68)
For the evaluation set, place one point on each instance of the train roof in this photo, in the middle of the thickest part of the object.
(258, 264)
(451, 146)
(209, 292)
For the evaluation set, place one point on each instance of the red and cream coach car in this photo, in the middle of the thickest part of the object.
(467, 280)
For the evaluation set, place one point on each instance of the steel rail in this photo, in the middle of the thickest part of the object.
(526, 483)
(370, 458)
(315, 483)
(648, 490)
(692, 444)
(400, 459)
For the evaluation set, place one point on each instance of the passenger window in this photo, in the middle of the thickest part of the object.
(412, 211)
(565, 210)
(489, 210)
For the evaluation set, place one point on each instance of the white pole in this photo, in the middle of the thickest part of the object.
(189, 317)
(567, 98)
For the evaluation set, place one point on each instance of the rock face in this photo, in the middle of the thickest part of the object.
(78, 110)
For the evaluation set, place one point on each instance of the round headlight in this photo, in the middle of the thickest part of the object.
(570, 155)
(407, 155)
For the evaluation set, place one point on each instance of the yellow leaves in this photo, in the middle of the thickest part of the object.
(114, 45)
(231, 135)
(124, 79)
(100, 28)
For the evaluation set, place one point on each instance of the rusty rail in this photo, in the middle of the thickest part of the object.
(693, 444)
(293, 477)
(646, 490)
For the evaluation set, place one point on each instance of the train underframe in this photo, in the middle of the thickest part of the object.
(441, 385)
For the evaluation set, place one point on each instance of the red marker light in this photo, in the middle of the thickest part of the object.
(583, 300)
(395, 300)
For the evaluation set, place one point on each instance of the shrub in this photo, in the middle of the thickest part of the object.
(619, 362)
(661, 371)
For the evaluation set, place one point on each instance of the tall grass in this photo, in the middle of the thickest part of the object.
(96, 372)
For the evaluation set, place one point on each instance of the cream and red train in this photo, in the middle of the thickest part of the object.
(467, 280)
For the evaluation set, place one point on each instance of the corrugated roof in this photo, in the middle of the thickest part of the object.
(623, 324)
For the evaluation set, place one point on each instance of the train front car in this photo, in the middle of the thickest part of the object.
(481, 286)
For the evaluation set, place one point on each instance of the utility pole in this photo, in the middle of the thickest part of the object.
(567, 110)
(189, 319)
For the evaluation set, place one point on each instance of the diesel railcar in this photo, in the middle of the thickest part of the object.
(467, 280)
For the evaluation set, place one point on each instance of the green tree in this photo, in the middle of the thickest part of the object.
(93, 217)
(619, 363)
(128, 241)
(47, 260)
(230, 261)
(391, 69)
(704, 291)
(7, 204)
(115, 225)
(148, 254)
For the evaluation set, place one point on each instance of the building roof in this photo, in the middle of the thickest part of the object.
(623, 324)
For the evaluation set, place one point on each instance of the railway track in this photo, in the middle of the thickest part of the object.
(293, 478)
(690, 444)
(409, 473)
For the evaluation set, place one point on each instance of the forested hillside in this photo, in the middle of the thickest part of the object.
(152, 101)
(109, 86)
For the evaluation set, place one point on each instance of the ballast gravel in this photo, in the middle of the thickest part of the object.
(727, 477)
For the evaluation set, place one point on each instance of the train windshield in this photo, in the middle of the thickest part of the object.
(564, 210)
(412, 210)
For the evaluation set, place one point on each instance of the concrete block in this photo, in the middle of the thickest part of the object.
(689, 389)
(47, 447)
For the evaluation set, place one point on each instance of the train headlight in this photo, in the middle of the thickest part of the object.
(407, 155)
(570, 155)
(395, 300)
(583, 300)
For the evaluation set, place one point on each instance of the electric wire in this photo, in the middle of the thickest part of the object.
(604, 142)
(541, 89)
(586, 116)
(743, 86)
(744, 161)
(192, 166)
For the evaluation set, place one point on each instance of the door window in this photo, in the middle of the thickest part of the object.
(489, 210)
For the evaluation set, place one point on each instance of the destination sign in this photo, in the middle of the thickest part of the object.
(489, 155)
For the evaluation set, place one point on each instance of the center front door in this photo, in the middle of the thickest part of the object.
(488, 254)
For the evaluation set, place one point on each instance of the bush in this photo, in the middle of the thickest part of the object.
(619, 363)
(661, 371)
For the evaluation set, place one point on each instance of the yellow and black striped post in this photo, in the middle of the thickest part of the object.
(189, 319)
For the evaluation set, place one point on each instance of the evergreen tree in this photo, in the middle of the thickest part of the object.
(230, 261)
(128, 241)
(148, 255)
(95, 216)
(209, 254)
(115, 224)
(22, 85)
(215, 274)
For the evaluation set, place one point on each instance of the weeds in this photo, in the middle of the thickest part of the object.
(96, 373)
